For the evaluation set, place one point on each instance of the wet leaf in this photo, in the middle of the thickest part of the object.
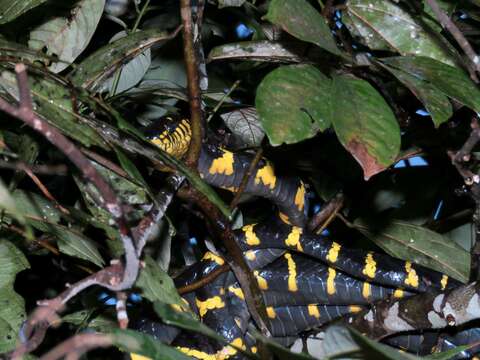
(184, 320)
(450, 80)
(8, 203)
(11, 9)
(436, 103)
(419, 245)
(365, 124)
(12, 309)
(77, 245)
(132, 170)
(35, 207)
(301, 20)
(156, 284)
(293, 103)
(134, 342)
(67, 37)
(55, 103)
(89, 320)
(99, 66)
(383, 25)
(130, 73)
(264, 50)
(227, 3)
(377, 350)
(244, 123)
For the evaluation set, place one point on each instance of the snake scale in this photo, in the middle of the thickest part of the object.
(306, 280)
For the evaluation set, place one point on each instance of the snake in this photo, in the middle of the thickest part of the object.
(306, 280)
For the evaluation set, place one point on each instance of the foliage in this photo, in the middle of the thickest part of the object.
(365, 98)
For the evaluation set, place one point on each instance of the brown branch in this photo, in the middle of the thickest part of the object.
(105, 162)
(324, 217)
(472, 180)
(116, 277)
(221, 229)
(193, 86)
(448, 24)
(121, 309)
(246, 177)
(44, 190)
(57, 170)
(431, 310)
(78, 345)
(207, 279)
(25, 113)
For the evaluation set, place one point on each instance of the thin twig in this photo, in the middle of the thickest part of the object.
(105, 162)
(207, 279)
(221, 228)
(324, 217)
(45, 191)
(222, 100)
(110, 202)
(246, 177)
(115, 277)
(78, 344)
(448, 24)
(121, 308)
(193, 86)
(57, 170)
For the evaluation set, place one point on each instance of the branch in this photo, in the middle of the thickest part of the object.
(25, 113)
(432, 310)
(78, 345)
(324, 217)
(116, 277)
(193, 87)
(472, 180)
(207, 279)
(220, 227)
(246, 177)
(448, 24)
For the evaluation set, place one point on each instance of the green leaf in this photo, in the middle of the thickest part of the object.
(12, 305)
(436, 103)
(130, 73)
(450, 80)
(99, 66)
(301, 20)
(54, 103)
(156, 284)
(11, 9)
(279, 351)
(448, 354)
(419, 245)
(67, 37)
(35, 208)
(340, 342)
(268, 51)
(383, 25)
(293, 103)
(365, 124)
(134, 342)
(77, 245)
(89, 320)
(245, 125)
(132, 170)
(8, 203)
(184, 320)
(378, 350)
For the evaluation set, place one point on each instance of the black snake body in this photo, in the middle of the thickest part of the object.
(306, 280)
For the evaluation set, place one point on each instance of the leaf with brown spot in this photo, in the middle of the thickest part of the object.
(365, 124)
